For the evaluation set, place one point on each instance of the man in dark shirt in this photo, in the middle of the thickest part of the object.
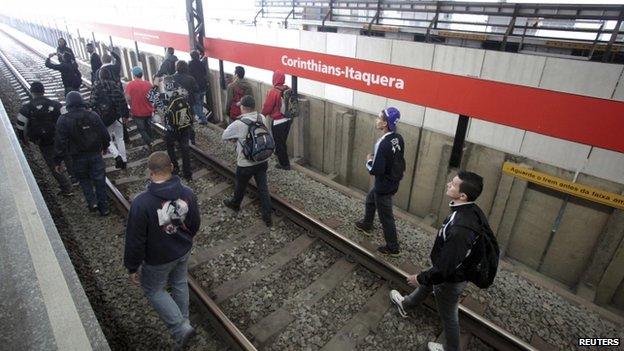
(36, 122)
(82, 134)
(387, 164)
(95, 61)
(159, 235)
(446, 278)
(197, 70)
(168, 66)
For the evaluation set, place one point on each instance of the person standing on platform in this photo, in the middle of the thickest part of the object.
(447, 277)
(140, 107)
(280, 124)
(36, 122)
(82, 134)
(387, 164)
(237, 132)
(159, 236)
(197, 70)
(94, 59)
(235, 91)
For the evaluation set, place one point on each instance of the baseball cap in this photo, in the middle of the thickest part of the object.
(137, 71)
(392, 117)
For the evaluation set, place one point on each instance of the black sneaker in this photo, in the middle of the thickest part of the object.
(268, 222)
(74, 181)
(231, 205)
(363, 227)
(92, 208)
(119, 163)
(184, 340)
(386, 251)
(105, 213)
(188, 178)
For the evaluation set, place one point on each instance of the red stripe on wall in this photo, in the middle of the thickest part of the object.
(578, 118)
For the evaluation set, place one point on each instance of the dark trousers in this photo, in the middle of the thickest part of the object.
(47, 151)
(243, 175)
(182, 137)
(90, 171)
(447, 300)
(280, 134)
(383, 204)
(144, 126)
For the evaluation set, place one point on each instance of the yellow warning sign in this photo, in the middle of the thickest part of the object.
(565, 186)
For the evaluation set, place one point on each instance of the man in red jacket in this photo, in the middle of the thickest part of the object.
(280, 125)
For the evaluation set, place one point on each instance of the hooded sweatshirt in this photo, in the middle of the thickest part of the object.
(161, 224)
(238, 130)
(273, 101)
(167, 68)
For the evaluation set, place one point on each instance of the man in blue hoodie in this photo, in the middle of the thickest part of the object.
(387, 164)
(159, 235)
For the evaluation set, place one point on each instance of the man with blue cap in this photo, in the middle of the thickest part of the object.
(387, 164)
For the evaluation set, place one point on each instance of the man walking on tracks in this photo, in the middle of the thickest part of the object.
(82, 134)
(235, 91)
(242, 132)
(159, 235)
(387, 164)
(453, 256)
(37, 122)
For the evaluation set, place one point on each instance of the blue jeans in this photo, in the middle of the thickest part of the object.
(382, 203)
(90, 171)
(198, 106)
(447, 300)
(173, 309)
(144, 126)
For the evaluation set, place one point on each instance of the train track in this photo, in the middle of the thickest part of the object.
(299, 244)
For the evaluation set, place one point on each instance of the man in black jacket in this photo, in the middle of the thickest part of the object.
(159, 235)
(197, 70)
(81, 134)
(446, 278)
(36, 122)
(387, 164)
(94, 59)
(168, 66)
(70, 75)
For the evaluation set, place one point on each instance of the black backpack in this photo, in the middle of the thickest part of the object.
(105, 107)
(42, 119)
(290, 104)
(481, 264)
(85, 133)
(398, 166)
(259, 144)
(178, 114)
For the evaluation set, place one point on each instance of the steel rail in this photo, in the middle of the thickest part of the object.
(217, 317)
(476, 324)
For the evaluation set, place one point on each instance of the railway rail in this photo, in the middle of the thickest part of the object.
(297, 236)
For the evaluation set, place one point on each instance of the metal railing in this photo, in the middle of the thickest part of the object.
(585, 29)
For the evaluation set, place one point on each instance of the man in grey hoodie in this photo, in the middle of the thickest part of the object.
(245, 169)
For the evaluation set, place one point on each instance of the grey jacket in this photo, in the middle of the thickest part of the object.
(238, 130)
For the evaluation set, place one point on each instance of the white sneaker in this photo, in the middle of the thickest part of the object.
(397, 299)
(434, 346)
